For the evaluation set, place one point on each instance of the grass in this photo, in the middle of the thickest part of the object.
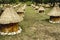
(35, 26)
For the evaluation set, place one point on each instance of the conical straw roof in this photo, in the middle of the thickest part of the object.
(33, 5)
(47, 5)
(24, 7)
(41, 8)
(9, 16)
(43, 5)
(6, 5)
(40, 4)
(36, 7)
(20, 10)
(55, 12)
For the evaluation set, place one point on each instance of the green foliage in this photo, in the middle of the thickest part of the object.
(36, 1)
(28, 3)
(46, 1)
(21, 0)
(4, 1)
(9, 1)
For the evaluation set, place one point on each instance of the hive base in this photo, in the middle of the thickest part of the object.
(41, 11)
(11, 33)
(54, 19)
(9, 29)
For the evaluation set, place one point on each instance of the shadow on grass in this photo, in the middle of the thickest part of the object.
(46, 20)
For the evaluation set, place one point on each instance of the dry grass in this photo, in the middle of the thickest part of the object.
(36, 27)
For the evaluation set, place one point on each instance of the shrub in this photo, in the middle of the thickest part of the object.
(28, 3)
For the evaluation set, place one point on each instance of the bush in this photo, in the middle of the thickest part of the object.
(28, 3)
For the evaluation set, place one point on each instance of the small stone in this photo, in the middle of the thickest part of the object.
(2, 33)
(19, 31)
(9, 33)
(14, 33)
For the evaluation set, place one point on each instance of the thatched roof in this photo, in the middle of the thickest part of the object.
(24, 7)
(55, 12)
(20, 10)
(33, 5)
(51, 5)
(17, 5)
(47, 5)
(9, 16)
(40, 4)
(36, 7)
(6, 5)
(41, 8)
(56, 5)
(43, 5)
